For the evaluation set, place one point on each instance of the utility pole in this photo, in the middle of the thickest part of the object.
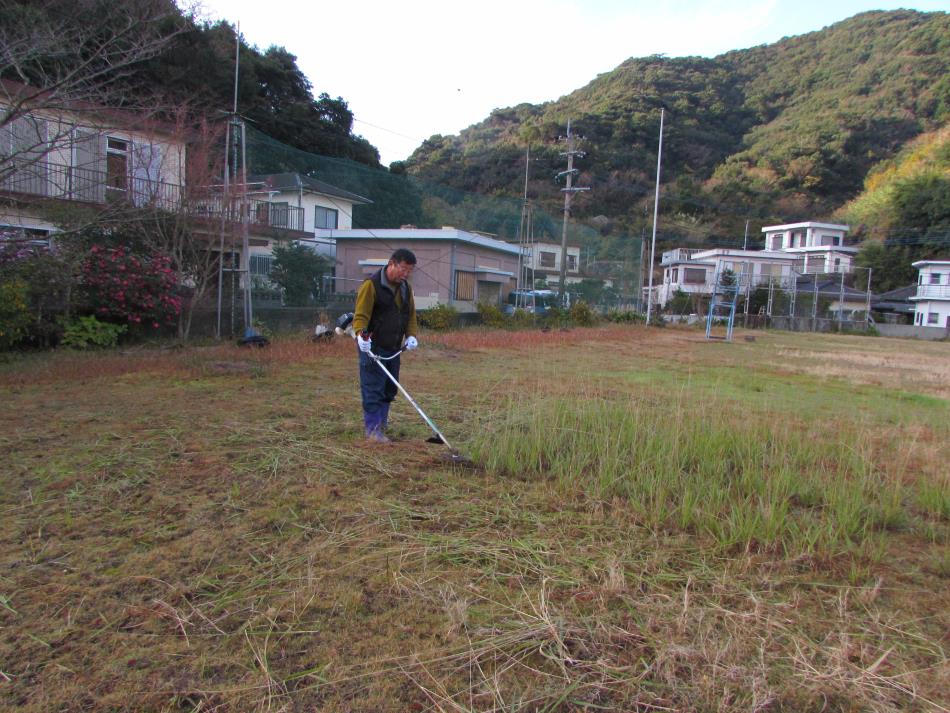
(569, 192)
(524, 237)
(745, 240)
(656, 209)
(226, 198)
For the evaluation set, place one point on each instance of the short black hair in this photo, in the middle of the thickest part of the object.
(403, 255)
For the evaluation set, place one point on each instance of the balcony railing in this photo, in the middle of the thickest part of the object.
(933, 292)
(45, 180)
(261, 213)
(677, 255)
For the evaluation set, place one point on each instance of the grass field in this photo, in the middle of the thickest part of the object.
(653, 522)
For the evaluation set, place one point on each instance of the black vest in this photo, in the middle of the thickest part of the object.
(389, 322)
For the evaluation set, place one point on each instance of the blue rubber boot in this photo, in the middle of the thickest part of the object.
(374, 427)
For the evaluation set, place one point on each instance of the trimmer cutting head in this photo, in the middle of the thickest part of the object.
(456, 458)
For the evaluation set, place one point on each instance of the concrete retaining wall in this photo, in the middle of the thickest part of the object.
(912, 331)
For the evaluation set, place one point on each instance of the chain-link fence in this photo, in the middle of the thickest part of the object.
(818, 302)
(607, 281)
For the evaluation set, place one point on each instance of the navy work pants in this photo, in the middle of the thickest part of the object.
(376, 388)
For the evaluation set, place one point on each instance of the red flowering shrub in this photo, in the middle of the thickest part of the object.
(127, 287)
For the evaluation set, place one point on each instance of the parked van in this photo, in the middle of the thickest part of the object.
(532, 301)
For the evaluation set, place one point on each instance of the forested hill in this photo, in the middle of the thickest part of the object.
(778, 132)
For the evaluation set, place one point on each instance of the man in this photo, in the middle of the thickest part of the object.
(386, 312)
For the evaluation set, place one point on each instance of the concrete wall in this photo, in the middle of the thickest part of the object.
(910, 331)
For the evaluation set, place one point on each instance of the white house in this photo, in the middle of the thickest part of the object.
(819, 245)
(932, 301)
(543, 261)
(312, 209)
(790, 250)
(87, 156)
(694, 271)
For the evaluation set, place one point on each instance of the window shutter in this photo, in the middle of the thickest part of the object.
(464, 286)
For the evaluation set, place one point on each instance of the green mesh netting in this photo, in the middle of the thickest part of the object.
(399, 199)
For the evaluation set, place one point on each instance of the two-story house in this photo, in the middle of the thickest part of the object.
(106, 161)
(819, 246)
(932, 300)
(88, 156)
(696, 271)
(311, 209)
(790, 250)
(542, 261)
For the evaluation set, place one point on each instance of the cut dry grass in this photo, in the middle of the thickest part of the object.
(205, 530)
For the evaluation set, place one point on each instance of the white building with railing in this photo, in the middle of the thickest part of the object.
(932, 301)
(694, 271)
(84, 156)
(790, 250)
(89, 158)
(820, 246)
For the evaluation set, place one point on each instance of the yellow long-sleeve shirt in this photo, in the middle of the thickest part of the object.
(366, 298)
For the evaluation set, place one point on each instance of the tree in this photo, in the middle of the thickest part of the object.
(73, 56)
(180, 232)
(137, 289)
(298, 270)
(921, 209)
(37, 286)
(922, 203)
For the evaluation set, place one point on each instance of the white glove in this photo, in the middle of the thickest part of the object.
(365, 345)
(411, 343)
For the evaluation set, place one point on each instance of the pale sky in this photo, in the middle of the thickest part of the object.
(415, 68)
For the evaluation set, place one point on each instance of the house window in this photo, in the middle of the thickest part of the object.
(934, 278)
(32, 237)
(117, 167)
(572, 262)
(694, 276)
(24, 141)
(837, 264)
(933, 318)
(325, 218)
(464, 286)
(261, 265)
(775, 241)
(676, 274)
(546, 259)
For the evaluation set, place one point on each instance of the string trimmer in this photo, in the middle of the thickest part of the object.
(453, 455)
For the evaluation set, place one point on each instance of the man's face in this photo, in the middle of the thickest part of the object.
(396, 272)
